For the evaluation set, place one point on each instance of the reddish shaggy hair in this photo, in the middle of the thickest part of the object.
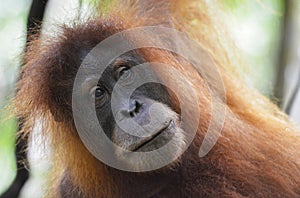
(257, 154)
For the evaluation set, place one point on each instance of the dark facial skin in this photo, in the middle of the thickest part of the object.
(138, 109)
(139, 105)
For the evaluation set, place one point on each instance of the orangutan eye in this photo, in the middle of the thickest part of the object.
(124, 72)
(99, 92)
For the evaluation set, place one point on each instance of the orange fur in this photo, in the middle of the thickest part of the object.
(257, 155)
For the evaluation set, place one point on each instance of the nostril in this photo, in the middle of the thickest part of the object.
(135, 108)
(131, 113)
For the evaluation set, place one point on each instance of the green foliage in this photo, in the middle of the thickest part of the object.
(104, 4)
(7, 161)
(256, 27)
(231, 4)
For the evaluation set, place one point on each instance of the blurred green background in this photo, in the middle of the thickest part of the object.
(264, 31)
